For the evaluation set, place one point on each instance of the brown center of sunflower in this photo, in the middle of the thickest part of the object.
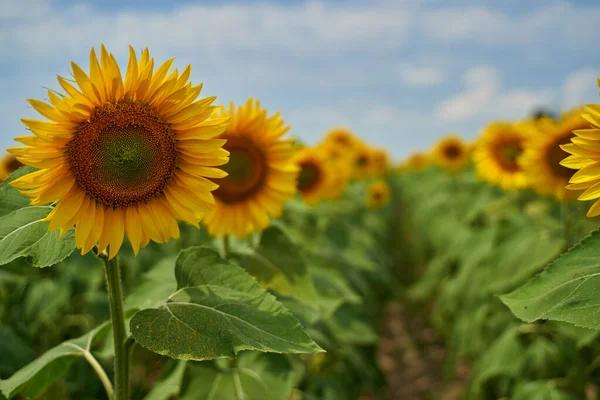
(310, 176)
(555, 155)
(13, 164)
(452, 151)
(247, 169)
(508, 153)
(124, 155)
(361, 160)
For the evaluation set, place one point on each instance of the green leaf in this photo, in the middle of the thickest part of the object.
(278, 264)
(33, 379)
(10, 198)
(22, 234)
(567, 290)
(541, 390)
(170, 386)
(350, 326)
(153, 287)
(217, 311)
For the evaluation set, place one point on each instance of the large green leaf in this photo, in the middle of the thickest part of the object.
(22, 234)
(33, 379)
(217, 311)
(10, 198)
(567, 290)
(278, 264)
(153, 287)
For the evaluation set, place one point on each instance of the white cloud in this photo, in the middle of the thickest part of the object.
(558, 22)
(484, 96)
(420, 75)
(580, 87)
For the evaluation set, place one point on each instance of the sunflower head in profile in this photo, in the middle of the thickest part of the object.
(451, 153)
(341, 138)
(380, 161)
(497, 155)
(261, 176)
(542, 157)
(314, 177)
(8, 165)
(584, 151)
(123, 155)
(378, 194)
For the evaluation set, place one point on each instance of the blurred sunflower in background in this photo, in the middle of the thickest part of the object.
(362, 160)
(380, 161)
(417, 161)
(378, 194)
(585, 157)
(314, 178)
(542, 157)
(123, 155)
(341, 138)
(260, 177)
(8, 165)
(451, 153)
(497, 155)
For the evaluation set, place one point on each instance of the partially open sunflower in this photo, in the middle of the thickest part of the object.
(123, 155)
(497, 155)
(261, 176)
(451, 153)
(417, 161)
(341, 138)
(8, 165)
(543, 155)
(378, 194)
(314, 178)
(585, 157)
(362, 161)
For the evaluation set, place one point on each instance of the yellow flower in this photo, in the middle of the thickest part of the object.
(341, 138)
(261, 175)
(585, 157)
(451, 153)
(380, 161)
(362, 161)
(418, 161)
(8, 165)
(378, 194)
(497, 155)
(314, 178)
(542, 156)
(123, 156)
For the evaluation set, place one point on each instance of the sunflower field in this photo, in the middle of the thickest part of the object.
(157, 245)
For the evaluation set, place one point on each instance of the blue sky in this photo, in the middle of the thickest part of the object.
(400, 73)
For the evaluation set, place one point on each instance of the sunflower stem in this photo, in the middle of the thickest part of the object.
(225, 246)
(117, 316)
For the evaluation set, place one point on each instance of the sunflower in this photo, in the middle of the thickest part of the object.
(314, 178)
(261, 175)
(542, 156)
(585, 157)
(123, 156)
(497, 155)
(378, 194)
(380, 161)
(342, 138)
(8, 165)
(362, 160)
(451, 153)
(417, 161)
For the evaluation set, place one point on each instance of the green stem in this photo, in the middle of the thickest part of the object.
(101, 374)
(117, 316)
(225, 246)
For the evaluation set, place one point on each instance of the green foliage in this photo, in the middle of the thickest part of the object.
(217, 311)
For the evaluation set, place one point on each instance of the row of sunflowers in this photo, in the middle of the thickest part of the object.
(498, 254)
(219, 257)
